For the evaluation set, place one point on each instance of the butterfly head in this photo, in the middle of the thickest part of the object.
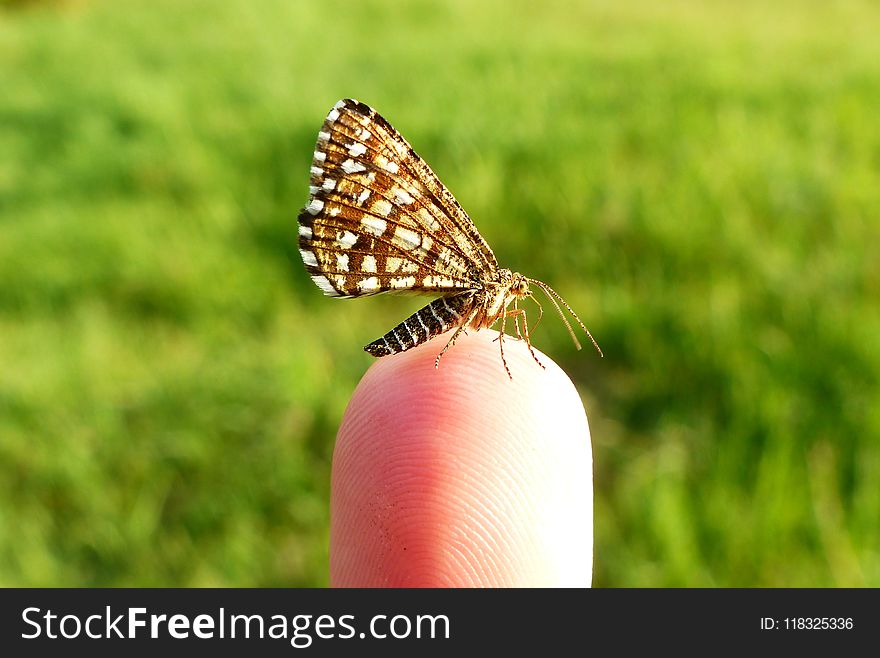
(514, 284)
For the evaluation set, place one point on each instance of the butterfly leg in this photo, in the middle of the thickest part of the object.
(516, 319)
(500, 340)
(455, 334)
(515, 314)
(540, 314)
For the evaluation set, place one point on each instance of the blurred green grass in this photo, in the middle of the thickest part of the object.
(700, 181)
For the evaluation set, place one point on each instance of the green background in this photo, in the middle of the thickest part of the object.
(699, 180)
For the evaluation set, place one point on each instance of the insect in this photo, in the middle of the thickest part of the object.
(379, 220)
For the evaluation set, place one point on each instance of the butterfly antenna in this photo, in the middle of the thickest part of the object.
(552, 295)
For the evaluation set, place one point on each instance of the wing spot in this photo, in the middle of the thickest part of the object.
(406, 238)
(308, 257)
(324, 284)
(356, 149)
(342, 262)
(314, 207)
(383, 207)
(402, 197)
(363, 196)
(305, 232)
(403, 282)
(435, 281)
(428, 219)
(447, 257)
(339, 280)
(369, 284)
(352, 167)
(320, 156)
(329, 184)
(345, 239)
(323, 138)
(369, 264)
(374, 225)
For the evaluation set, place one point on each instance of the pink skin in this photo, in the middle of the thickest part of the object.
(460, 477)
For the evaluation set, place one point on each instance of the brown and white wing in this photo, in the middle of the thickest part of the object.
(379, 220)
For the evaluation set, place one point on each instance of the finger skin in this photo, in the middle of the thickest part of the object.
(460, 477)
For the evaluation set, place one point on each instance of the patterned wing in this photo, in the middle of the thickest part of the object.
(379, 220)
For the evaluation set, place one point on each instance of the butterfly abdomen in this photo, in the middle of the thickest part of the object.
(429, 321)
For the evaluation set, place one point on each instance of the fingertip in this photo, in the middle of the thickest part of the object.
(461, 476)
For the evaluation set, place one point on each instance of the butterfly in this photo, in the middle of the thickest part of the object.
(379, 220)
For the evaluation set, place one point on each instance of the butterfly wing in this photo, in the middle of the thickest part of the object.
(378, 218)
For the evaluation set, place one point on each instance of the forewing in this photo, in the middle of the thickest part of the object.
(379, 220)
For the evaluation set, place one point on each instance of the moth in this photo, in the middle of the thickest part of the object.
(379, 220)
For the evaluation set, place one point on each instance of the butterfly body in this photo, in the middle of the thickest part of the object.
(379, 220)
(479, 308)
